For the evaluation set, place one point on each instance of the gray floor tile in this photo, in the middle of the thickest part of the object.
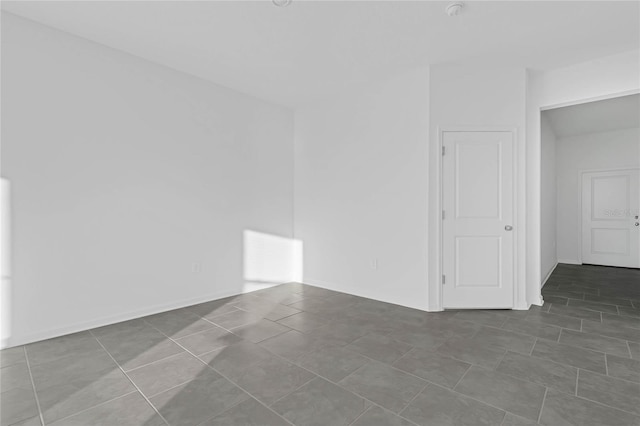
(33, 421)
(442, 407)
(433, 367)
(338, 333)
(64, 370)
(311, 291)
(258, 331)
(17, 405)
(616, 393)
(492, 318)
(77, 344)
(15, 376)
(267, 309)
(608, 300)
(594, 306)
(379, 347)
(247, 413)
(431, 338)
(213, 309)
(506, 339)
(236, 319)
(544, 372)
(332, 362)
(208, 340)
(133, 349)
(576, 312)
(178, 323)
(634, 348)
(513, 420)
(472, 351)
(629, 312)
(384, 385)
(167, 373)
(65, 399)
(320, 403)
(265, 376)
(621, 321)
(130, 410)
(554, 319)
(561, 409)
(535, 329)
(612, 330)
(500, 390)
(623, 368)
(199, 400)
(595, 342)
(291, 345)
(570, 355)
(304, 321)
(376, 416)
(232, 360)
(12, 356)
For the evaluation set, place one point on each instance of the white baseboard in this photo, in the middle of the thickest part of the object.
(111, 319)
(569, 261)
(549, 274)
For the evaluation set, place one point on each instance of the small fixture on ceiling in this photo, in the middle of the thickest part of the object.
(454, 9)
(281, 3)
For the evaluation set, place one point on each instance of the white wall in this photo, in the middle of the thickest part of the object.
(606, 150)
(362, 190)
(124, 175)
(477, 97)
(548, 199)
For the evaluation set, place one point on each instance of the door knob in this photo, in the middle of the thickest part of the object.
(508, 228)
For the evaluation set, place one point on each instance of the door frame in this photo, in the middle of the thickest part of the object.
(581, 174)
(435, 286)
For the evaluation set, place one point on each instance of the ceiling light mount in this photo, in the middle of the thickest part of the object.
(454, 9)
(281, 3)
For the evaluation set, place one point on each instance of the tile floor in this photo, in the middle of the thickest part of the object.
(301, 355)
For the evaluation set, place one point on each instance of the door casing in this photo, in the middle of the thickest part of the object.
(519, 231)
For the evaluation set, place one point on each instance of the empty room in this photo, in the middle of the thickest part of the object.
(319, 213)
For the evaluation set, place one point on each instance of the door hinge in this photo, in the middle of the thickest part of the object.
(444, 279)
(443, 150)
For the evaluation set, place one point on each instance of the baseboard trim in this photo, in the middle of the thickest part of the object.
(549, 275)
(569, 261)
(112, 319)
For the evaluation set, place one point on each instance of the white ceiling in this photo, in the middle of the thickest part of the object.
(593, 117)
(314, 49)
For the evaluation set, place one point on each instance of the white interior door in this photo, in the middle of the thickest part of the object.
(610, 224)
(477, 226)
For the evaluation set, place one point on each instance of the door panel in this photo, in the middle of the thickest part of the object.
(610, 204)
(477, 196)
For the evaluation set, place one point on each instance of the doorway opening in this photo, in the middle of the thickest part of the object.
(590, 185)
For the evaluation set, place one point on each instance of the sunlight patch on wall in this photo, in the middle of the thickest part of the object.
(270, 260)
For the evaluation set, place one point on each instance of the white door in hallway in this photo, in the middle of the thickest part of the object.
(610, 223)
(477, 226)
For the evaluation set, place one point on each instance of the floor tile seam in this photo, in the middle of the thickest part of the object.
(629, 348)
(593, 401)
(596, 350)
(544, 398)
(131, 381)
(92, 407)
(33, 385)
(151, 362)
(426, 385)
(230, 381)
(360, 415)
(315, 376)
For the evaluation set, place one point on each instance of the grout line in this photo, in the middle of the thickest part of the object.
(360, 415)
(315, 376)
(577, 380)
(413, 399)
(606, 364)
(129, 378)
(544, 398)
(536, 342)
(629, 348)
(33, 385)
(154, 362)
(462, 377)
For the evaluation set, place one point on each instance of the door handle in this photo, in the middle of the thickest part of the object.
(508, 228)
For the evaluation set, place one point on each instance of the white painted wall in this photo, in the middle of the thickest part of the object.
(548, 199)
(362, 189)
(477, 97)
(606, 150)
(124, 174)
